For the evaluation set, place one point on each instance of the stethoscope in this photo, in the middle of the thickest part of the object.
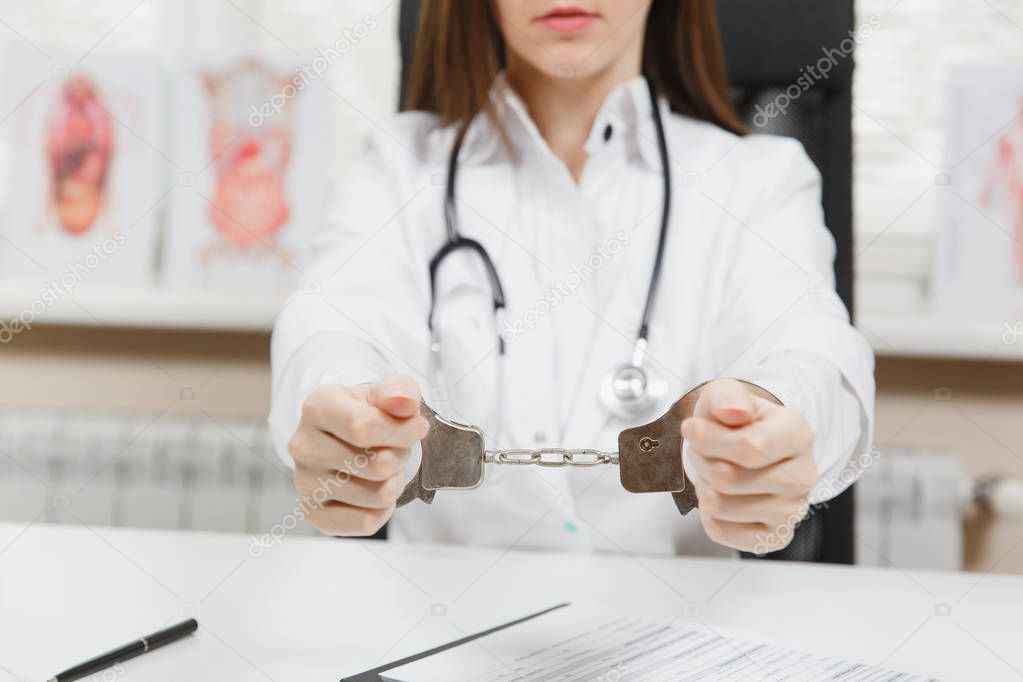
(631, 389)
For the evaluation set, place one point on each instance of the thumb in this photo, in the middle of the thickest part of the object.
(396, 394)
(728, 402)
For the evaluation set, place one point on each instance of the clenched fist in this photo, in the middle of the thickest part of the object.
(350, 450)
(754, 461)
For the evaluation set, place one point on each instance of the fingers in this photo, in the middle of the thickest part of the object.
(753, 510)
(764, 509)
(753, 446)
(741, 536)
(321, 450)
(793, 477)
(396, 395)
(341, 412)
(381, 463)
(726, 401)
(757, 536)
(350, 450)
(349, 502)
(731, 479)
(320, 486)
(338, 518)
(754, 477)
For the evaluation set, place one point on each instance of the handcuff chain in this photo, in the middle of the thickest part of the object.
(551, 457)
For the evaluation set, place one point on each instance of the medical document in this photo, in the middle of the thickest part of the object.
(588, 644)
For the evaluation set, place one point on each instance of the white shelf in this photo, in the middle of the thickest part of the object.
(910, 333)
(149, 308)
(941, 334)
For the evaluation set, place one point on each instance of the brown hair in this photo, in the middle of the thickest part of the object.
(459, 51)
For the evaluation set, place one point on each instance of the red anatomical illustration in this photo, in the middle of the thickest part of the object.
(79, 149)
(1006, 172)
(249, 205)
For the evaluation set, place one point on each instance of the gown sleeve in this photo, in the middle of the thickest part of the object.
(361, 310)
(782, 325)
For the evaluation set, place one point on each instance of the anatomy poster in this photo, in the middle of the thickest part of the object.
(979, 253)
(86, 168)
(250, 135)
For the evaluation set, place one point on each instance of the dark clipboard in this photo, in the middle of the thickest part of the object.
(374, 674)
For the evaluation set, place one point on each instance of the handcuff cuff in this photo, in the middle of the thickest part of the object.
(649, 457)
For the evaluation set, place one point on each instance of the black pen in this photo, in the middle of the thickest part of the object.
(136, 648)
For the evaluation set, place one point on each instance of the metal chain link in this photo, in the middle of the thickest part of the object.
(551, 457)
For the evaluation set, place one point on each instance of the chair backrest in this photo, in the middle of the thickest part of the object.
(796, 56)
(790, 64)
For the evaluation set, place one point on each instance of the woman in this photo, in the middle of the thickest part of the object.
(560, 178)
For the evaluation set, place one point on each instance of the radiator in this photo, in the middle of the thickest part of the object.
(171, 471)
(909, 507)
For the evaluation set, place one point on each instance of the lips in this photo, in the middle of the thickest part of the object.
(567, 19)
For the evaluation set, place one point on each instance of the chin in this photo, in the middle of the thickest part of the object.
(570, 61)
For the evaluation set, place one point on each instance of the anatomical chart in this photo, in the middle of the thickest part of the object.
(85, 170)
(250, 134)
(979, 251)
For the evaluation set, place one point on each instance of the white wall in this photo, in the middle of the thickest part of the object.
(899, 122)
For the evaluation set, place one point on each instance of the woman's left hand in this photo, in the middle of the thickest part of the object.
(755, 467)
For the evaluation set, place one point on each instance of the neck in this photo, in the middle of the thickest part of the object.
(564, 109)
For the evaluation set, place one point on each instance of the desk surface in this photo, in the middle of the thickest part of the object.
(316, 608)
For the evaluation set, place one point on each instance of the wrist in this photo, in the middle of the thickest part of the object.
(753, 389)
(760, 392)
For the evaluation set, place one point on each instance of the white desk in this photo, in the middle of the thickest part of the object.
(315, 608)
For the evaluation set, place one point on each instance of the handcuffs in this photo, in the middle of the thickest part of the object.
(649, 457)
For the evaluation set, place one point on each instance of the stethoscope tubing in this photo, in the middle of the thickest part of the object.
(662, 238)
(456, 242)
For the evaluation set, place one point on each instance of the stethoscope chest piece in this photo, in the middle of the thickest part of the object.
(630, 391)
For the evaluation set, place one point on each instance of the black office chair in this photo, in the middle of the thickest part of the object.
(768, 45)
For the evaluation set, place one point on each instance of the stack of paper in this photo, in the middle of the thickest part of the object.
(585, 643)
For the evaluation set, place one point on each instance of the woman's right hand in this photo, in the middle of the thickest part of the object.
(350, 450)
